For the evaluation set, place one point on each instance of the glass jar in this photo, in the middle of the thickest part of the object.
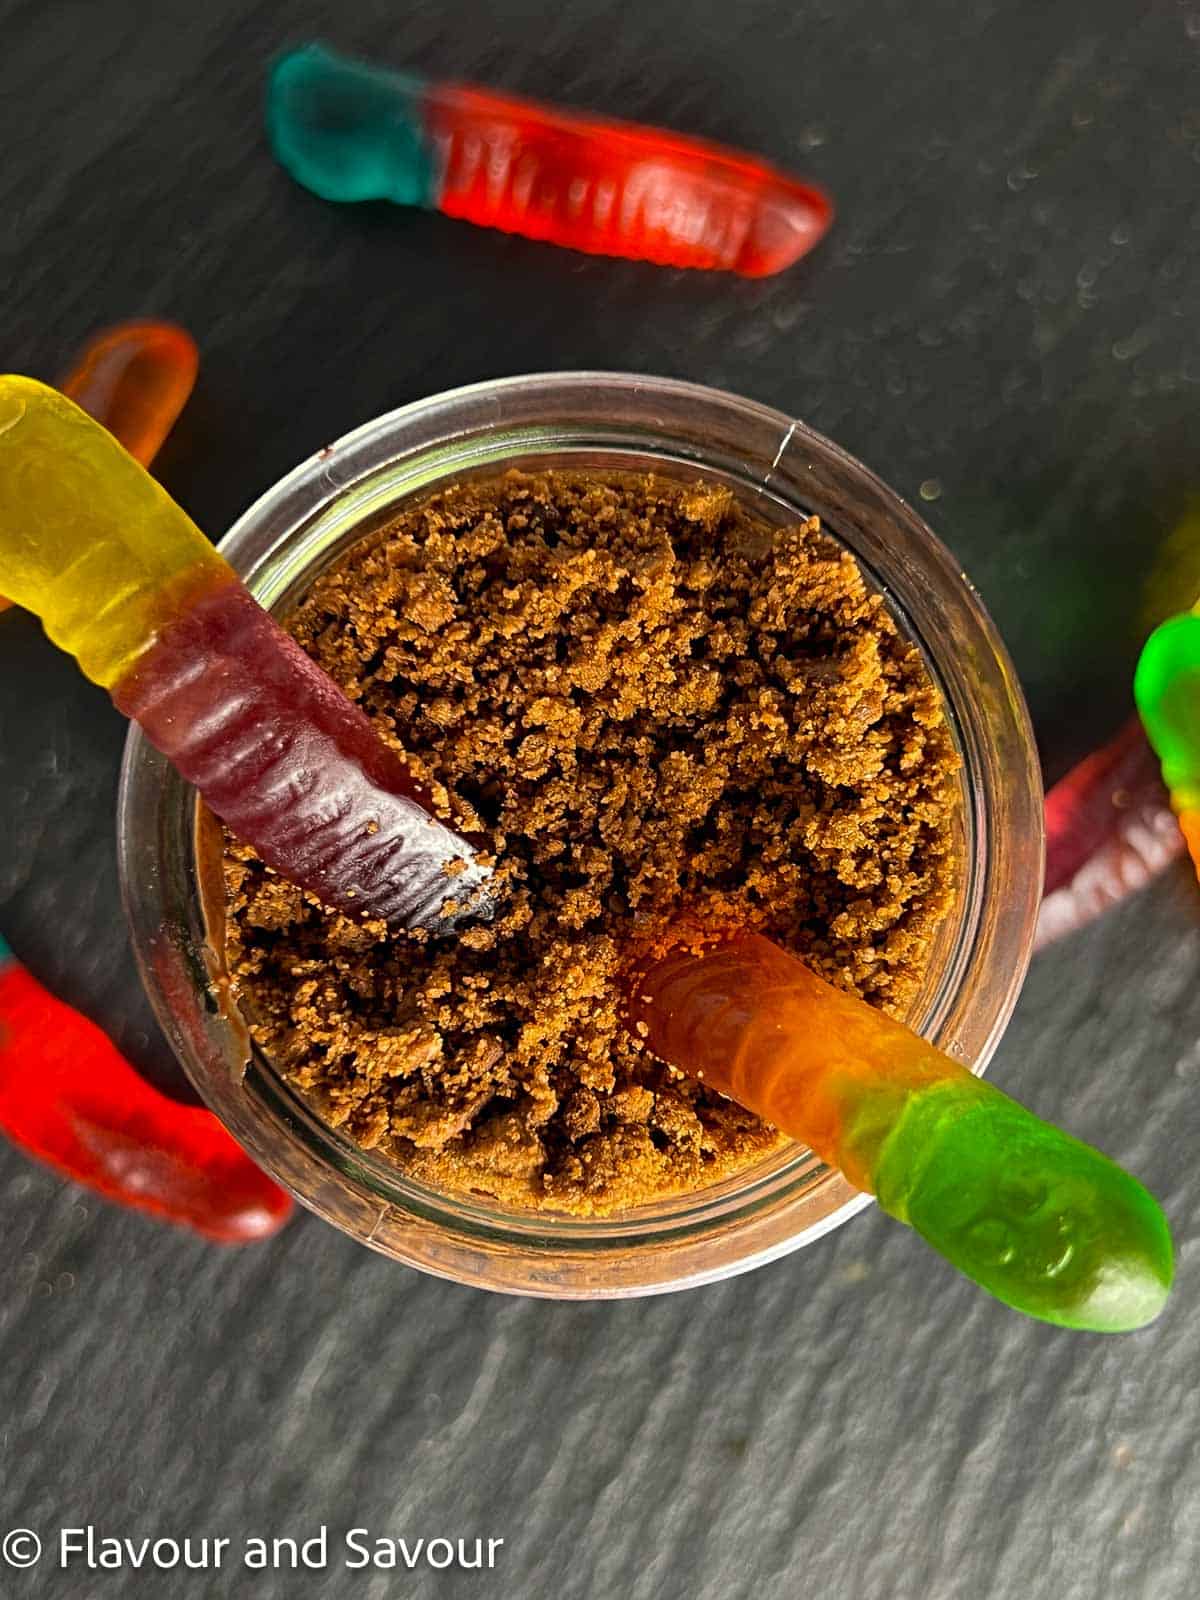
(781, 471)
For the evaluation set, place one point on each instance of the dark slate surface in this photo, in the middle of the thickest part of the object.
(1006, 314)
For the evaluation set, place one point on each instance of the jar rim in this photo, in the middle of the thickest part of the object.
(309, 516)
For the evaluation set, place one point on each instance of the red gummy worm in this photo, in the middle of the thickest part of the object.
(69, 1097)
(351, 131)
(1109, 831)
(292, 766)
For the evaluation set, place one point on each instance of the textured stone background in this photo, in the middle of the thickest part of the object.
(1006, 314)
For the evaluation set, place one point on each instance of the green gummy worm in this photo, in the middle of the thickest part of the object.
(1044, 1222)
